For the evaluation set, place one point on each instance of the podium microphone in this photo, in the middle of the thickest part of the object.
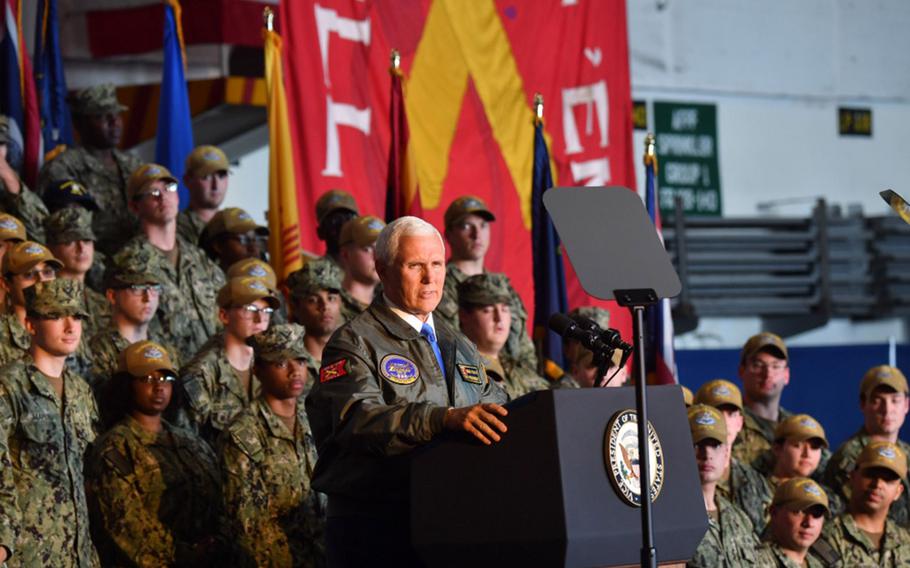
(569, 329)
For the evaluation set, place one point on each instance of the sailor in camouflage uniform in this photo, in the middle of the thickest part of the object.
(360, 283)
(268, 457)
(23, 265)
(98, 165)
(133, 291)
(764, 370)
(219, 381)
(730, 541)
(71, 240)
(43, 436)
(485, 318)
(156, 488)
(467, 231)
(206, 177)
(797, 513)
(741, 483)
(798, 444)
(334, 208)
(884, 403)
(864, 535)
(260, 269)
(392, 379)
(315, 303)
(190, 280)
(15, 196)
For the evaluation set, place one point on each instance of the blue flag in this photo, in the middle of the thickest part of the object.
(549, 273)
(56, 126)
(175, 126)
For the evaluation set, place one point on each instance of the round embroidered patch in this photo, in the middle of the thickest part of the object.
(399, 370)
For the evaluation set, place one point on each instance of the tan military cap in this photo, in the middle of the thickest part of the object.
(11, 228)
(204, 160)
(484, 289)
(280, 342)
(56, 298)
(800, 427)
(799, 494)
(332, 200)
(145, 174)
(764, 341)
(466, 205)
(718, 393)
(69, 224)
(24, 256)
(255, 268)
(143, 358)
(706, 422)
(883, 454)
(98, 99)
(362, 231)
(687, 396)
(231, 220)
(882, 376)
(246, 290)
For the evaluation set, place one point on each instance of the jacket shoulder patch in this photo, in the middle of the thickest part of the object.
(333, 371)
(471, 374)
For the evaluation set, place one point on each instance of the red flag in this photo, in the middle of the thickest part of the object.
(402, 195)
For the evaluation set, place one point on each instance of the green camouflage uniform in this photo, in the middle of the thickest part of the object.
(747, 489)
(350, 307)
(157, 494)
(770, 555)
(187, 309)
(519, 346)
(513, 377)
(105, 347)
(113, 223)
(44, 519)
(856, 550)
(189, 226)
(27, 207)
(730, 541)
(14, 338)
(214, 393)
(278, 519)
(842, 464)
(756, 437)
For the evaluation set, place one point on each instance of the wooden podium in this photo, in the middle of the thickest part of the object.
(543, 496)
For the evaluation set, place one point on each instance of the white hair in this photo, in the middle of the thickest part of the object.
(386, 248)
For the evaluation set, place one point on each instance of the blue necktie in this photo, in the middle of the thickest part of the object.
(427, 332)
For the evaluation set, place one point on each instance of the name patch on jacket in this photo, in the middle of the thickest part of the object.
(333, 371)
(470, 374)
(399, 369)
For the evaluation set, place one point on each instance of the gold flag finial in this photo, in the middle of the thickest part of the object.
(538, 107)
(650, 151)
(268, 16)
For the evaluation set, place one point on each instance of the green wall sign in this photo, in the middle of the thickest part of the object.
(687, 155)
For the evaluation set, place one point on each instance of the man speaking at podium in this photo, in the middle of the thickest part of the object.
(391, 380)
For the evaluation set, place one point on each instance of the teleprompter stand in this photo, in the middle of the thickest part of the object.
(617, 254)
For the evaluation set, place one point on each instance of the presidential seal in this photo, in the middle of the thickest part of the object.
(622, 460)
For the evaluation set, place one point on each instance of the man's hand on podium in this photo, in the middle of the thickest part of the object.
(480, 420)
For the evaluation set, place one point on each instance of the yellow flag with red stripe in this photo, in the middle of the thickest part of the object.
(284, 222)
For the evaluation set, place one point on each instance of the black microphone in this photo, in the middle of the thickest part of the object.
(569, 329)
